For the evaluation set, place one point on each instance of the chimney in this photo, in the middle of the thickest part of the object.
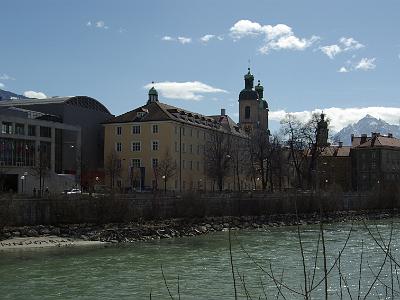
(363, 138)
(390, 135)
(223, 112)
(340, 144)
(352, 137)
(375, 134)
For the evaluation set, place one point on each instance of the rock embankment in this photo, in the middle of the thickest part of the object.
(150, 230)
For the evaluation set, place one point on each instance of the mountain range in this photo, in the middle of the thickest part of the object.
(366, 125)
(9, 95)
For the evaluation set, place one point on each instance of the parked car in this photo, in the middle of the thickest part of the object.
(73, 192)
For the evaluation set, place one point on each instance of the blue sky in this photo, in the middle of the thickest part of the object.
(111, 50)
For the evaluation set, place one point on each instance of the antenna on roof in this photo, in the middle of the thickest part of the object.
(248, 63)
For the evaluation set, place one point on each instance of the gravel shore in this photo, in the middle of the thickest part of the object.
(90, 234)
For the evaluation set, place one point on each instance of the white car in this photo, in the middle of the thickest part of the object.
(74, 192)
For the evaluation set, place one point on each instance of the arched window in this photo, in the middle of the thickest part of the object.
(247, 112)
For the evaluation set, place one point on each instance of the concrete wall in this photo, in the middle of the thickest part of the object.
(123, 208)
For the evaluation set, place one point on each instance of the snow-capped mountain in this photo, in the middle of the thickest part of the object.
(9, 95)
(366, 125)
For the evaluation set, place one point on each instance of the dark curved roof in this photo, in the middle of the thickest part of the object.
(81, 101)
(87, 102)
(248, 95)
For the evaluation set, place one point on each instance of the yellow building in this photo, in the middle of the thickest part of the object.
(158, 146)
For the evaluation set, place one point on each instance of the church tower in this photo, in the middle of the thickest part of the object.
(253, 109)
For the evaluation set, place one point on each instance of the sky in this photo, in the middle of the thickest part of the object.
(342, 57)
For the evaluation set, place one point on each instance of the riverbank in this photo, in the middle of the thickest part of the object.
(82, 234)
(44, 242)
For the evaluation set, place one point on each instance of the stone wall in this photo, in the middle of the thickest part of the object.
(125, 208)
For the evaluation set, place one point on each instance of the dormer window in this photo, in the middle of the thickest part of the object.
(140, 114)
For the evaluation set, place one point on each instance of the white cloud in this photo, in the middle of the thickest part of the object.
(36, 95)
(190, 90)
(331, 50)
(243, 28)
(366, 64)
(6, 77)
(343, 70)
(167, 38)
(181, 39)
(345, 44)
(206, 38)
(276, 37)
(98, 24)
(342, 117)
(289, 42)
(350, 44)
(2, 85)
(184, 40)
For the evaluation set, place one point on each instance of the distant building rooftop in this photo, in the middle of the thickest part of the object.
(81, 101)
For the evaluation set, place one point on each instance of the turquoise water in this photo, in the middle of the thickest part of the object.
(203, 266)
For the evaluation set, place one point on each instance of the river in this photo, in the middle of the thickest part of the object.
(203, 266)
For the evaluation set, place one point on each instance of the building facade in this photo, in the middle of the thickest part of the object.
(82, 111)
(375, 162)
(32, 152)
(141, 144)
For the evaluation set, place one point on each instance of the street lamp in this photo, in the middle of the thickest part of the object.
(165, 183)
(22, 183)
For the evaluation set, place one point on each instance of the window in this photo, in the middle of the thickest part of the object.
(176, 147)
(118, 147)
(191, 165)
(183, 130)
(155, 128)
(198, 149)
(183, 164)
(191, 132)
(6, 127)
(19, 129)
(183, 148)
(135, 146)
(45, 132)
(154, 162)
(247, 112)
(136, 129)
(204, 135)
(119, 183)
(198, 133)
(119, 130)
(31, 130)
(198, 166)
(191, 148)
(154, 145)
(135, 163)
(176, 129)
(176, 184)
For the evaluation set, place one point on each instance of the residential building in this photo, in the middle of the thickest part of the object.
(375, 161)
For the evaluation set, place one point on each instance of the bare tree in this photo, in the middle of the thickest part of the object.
(260, 153)
(217, 157)
(42, 166)
(166, 169)
(112, 167)
(276, 163)
(292, 129)
(239, 159)
(306, 142)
